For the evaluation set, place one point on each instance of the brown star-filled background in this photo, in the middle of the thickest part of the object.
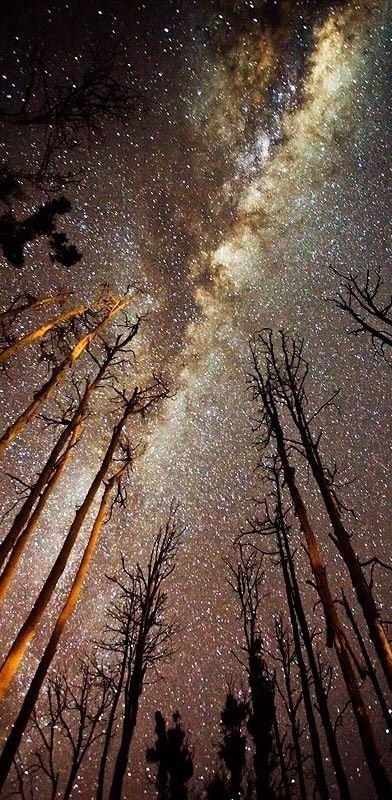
(256, 158)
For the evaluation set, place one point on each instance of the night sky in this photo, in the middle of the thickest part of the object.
(259, 159)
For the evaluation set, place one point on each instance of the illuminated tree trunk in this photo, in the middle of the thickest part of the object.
(39, 333)
(32, 694)
(337, 637)
(11, 566)
(267, 389)
(21, 518)
(58, 376)
(298, 620)
(290, 380)
(342, 541)
(29, 304)
(28, 630)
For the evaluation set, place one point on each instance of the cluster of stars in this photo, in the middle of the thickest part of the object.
(225, 202)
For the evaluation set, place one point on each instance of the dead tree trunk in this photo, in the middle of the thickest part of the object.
(139, 401)
(369, 666)
(292, 705)
(39, 333)
(11, 566)
(114, 354)
(14, 739)
(264, 389)
(319, 772)
(297, 611)
(29, 303)
(289, 378)
(58, 376)
(150, 639)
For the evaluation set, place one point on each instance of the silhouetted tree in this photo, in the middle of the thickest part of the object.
(368, 303)
(173, 757)
(286, 373)
(246, 582)
(272, 384)
(140, 635)
(70, 721)
(233, 746)
(15, 234)
(69, 114)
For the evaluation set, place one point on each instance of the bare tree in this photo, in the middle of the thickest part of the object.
(246, 580)
(140, 636)
(138, 403)
(41, 331)
(368, 304)
(287, 371)
(293, 697)
(275, 523)
(59, 373)
(111, 359)
(270, 388)
(72, 113)
(70, 721)
(25, 302)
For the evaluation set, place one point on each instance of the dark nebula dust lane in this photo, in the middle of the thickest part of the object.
(260, 160)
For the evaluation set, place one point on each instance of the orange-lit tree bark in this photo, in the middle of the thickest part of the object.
(265, 392)
(139, 402)
(41, 331)
(26, 302)
(8, 754)
(59, 374)
(140, 635)
(287, 372)
(113, 357)
(275, 523)
(12, 564)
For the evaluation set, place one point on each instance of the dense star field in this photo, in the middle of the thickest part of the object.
(257, 156)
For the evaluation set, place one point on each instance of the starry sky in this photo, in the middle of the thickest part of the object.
(259, 159)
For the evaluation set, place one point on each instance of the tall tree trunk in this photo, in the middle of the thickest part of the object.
(129, 723)
(292, 714)
(30, 304)
(297, 608)
(32, 694)
(319, 772)
(109, 730)
(335, 633)
(282, 763)
(58, 376)
(24, 512)
(369, 666)
(341, 539)
(28, 630)
(39, 333)
(11, 566)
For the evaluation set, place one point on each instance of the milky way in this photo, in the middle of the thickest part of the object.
(262, 159)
